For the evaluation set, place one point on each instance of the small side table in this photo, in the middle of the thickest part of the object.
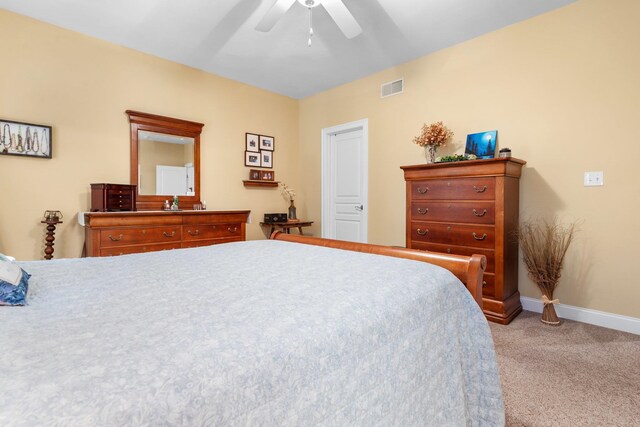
(51, 229)
(286, 226)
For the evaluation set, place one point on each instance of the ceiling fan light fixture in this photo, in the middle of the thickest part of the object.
(309, 3)
(335, 8)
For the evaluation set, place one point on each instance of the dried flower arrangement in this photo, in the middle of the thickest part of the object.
(287, 192)
(433, 136)
(544, 244)
(290, 194)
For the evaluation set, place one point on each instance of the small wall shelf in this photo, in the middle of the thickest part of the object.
(252, 183)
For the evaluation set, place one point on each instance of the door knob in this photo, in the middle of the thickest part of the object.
(360, 208)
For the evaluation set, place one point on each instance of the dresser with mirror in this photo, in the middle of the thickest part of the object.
(165, 162)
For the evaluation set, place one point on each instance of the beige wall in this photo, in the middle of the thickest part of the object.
(82, 86)
(562, 89)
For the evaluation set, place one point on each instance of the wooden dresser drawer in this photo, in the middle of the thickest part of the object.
(210, 231)
(123, 250)
(208, 242)
(139, 235)
(119, 205)
(113, 189)
(489, 285)
(479, 236)
(207, 217)
(458, 250)
(118, 197)
(471, 212)
(454, 189)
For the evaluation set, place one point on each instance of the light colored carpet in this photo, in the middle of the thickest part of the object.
(574, 374)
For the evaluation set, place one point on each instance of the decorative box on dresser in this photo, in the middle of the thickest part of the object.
(470, 207)
(119, 233)
(113, 197)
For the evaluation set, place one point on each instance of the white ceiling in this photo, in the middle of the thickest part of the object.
(219, 36)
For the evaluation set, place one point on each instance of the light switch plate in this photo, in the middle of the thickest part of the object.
(593, 179)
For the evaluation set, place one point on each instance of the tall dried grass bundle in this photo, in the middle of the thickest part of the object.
(544, 245)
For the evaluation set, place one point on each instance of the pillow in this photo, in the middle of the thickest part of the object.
(14, 282)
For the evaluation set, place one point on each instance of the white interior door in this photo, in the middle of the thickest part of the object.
(345, 182)
(171, 180)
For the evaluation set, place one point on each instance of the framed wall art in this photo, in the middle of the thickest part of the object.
(266, 159)
(255, 174)
(267, 176)
(267, 143)
(252, 159)
(25, 139)
(482, 144)
(259, 151)
(252, 141)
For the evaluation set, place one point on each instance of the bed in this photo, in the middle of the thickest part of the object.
(270, 332)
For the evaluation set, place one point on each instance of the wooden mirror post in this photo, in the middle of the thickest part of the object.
(167, 125)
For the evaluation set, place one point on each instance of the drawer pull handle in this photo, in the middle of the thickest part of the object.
(423, 211)
(475, 212)
(448, 250)
(115, 239)
(422, 232)
(232, 230)
(422, 191)
(484, 236)
(484, 284)
(193, 233)
(480, 190)
(165, 234)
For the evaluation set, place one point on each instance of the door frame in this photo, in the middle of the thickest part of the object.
(326, 133)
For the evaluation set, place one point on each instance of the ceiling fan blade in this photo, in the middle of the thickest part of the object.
(277, 10)
(343, 17)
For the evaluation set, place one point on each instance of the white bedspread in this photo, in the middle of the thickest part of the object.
(252, 333)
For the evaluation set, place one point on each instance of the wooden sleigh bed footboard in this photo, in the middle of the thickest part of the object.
(468, 269)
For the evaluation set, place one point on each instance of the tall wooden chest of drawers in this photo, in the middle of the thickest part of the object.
(119, 233)
(470, 207)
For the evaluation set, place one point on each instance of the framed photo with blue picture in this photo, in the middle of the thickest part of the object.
(482, 145)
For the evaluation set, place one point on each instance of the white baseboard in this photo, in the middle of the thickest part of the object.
(586, 315)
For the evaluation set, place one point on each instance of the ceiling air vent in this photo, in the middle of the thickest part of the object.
(392, 88)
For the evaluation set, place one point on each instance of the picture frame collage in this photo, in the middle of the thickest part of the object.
(259, 150)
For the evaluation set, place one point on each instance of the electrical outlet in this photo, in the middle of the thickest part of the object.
(593, 179)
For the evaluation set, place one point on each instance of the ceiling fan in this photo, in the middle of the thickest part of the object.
(336, 9)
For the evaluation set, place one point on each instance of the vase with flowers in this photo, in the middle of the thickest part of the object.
(289, 194)
(432, 137)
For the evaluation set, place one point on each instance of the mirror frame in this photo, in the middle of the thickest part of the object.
(160, 124)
